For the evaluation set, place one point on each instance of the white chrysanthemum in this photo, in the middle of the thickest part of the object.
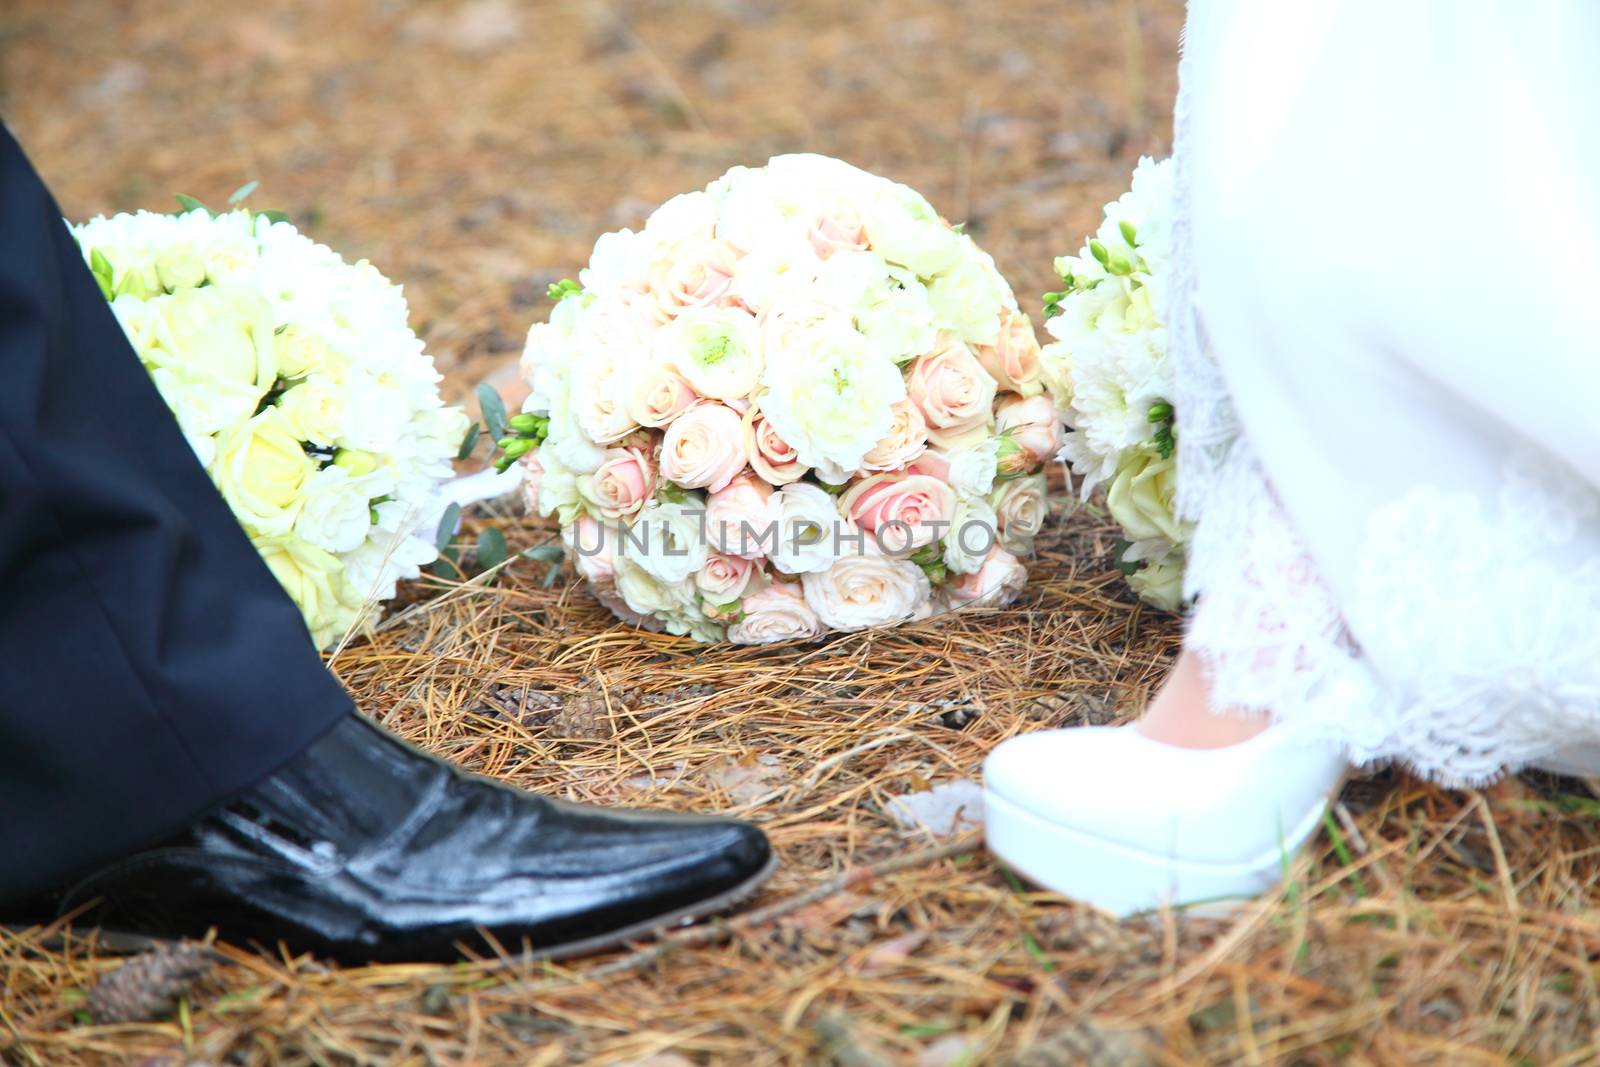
(718, 350)
(830, 395)
(300, 384)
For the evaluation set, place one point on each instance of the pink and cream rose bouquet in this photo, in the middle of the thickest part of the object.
(793, 403)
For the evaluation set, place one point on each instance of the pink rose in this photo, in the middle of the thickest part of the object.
(532, 478)
(591, 547)
(738, 517)
(777, 613)
(622, 483)
(770, 455)
(1013, 359)
(837, 229)
(704, 448)
(906, 440)
(900, 509)
(723, 580)
(953, 392)
(699, 273)
(995, 584)
(660, 396)
(934, 463)
(1030, 433)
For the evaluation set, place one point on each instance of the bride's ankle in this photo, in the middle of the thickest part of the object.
(1181, 712)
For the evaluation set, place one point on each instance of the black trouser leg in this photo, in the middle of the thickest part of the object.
(150, 666)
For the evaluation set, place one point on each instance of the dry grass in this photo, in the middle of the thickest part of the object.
(474, 149)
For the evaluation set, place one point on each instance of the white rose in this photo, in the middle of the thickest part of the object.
(718, 350)
(337, 512)
(316, 408)
(777, 613)
(973, 468)
(861, 591)
(899, 318)
(219, 333)
(831, 395)
(973, 531)
(809, 528)
(260, 469)
(667, 538)
(684, 217)
(205, 407)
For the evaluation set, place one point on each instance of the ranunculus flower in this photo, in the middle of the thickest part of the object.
(861, 591)
(904, 228)
(620, 486)
(698, 273)
(830, 393)
(1030, 433)
(1021, 505)
(995, 584)
(704, 448)
(770, 455)
(777, 613)
(1142, 494)
(953, 392)
(260, 470)
(906, 440)
(903, 511)
(1014, 359)
(809, 528)
(661, 395)
(722, 581)
(718, 350)
(739, 521)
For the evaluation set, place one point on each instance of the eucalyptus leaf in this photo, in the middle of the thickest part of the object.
(494, 410)
(447, 526)
(243, 191)
(545, 553)
(491, 548)
(468, 442)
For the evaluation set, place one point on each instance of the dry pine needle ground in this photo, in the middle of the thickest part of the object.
(473, 149)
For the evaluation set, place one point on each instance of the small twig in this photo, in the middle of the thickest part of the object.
(716, 932)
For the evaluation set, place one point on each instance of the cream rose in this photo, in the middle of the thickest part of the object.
(315, 409)
(647, 593)
(1142, 494)
(861, 591)
(261, 470)
(969, 298)
(1014, 359)
(337, 511)
(723, 580)
(995, 584)
(1030, 433)
(903, 512)
(770, 455)
(312, 579)
(953, 392)
(218, 333)
(704, 448)
(1021, 505)
(298, 351)
(739, 520)
(1160, 582)
(906, 440)
(620, 486)
(836, 227)
(777, 613)
(698, 273)
(599, 401)
(661, 395)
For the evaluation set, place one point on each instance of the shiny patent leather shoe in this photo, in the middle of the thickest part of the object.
(366, 849)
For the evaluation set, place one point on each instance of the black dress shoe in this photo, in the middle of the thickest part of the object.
(366, 849)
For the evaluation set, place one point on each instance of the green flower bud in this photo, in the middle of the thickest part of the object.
(517, 447)
(1098, 251)
(357, 462)
(524, 423)
(1160, 411)
(132, 285)
(1129, 232)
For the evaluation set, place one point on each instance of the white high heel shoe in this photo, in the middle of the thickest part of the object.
(1111, 817)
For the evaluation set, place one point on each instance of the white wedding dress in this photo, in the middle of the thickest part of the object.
(1386, 322)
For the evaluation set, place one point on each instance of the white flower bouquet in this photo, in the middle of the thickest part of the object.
(1109, 372)
(793, 403)
(300, 386)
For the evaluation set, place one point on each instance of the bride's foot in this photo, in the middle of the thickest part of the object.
(1183, 808)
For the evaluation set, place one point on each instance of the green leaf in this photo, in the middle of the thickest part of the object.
(274, 216)
(545, 553)
(494, 410)
(189, 203)
(243, 191)
(491, 548)
(447, 526)
(469, 441)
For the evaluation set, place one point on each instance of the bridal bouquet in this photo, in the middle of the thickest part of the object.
(301, 388)
(795, 402)
(1108, 369)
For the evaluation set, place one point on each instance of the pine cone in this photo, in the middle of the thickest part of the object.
(1085, 1044)
(147, 987)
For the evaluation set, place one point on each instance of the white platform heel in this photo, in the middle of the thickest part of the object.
(1108, 816)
